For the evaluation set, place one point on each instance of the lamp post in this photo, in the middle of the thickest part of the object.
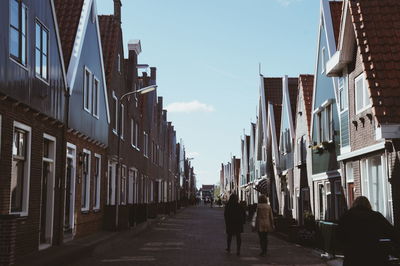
(119, 166)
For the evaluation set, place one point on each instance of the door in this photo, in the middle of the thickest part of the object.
(68, 197)
(43, 204)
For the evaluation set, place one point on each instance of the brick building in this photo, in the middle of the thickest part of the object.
(365, 62)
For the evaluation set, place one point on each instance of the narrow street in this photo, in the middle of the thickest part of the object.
(195, 236)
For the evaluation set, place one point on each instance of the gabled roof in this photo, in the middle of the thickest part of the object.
(306, 84)
(110, 34)
(68, 16)
(273, 90)
(377, 24)
(336, 14)
(293, 84)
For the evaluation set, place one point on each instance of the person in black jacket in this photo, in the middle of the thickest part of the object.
(360, 230)
(235, 217)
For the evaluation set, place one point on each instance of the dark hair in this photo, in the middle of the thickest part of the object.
(262, 199)
(233, 199)
(361, 202)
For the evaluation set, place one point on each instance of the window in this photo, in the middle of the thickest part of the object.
(111, 183)
(323, 60)
(338, 199)
(362, 94)
(145, 144)
(20, 168)
(96, 95)
(85, 180)
(123, 185)
(325, 123)
(122, 120)
(131, 185)
(18, 18)
(97, 181)
(343, 93)
(134, 133)
(87, 90)
(115, 107)
(119, 63)
(374, 185)
(41, 51)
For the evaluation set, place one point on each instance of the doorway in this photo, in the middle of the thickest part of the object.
(69, 210)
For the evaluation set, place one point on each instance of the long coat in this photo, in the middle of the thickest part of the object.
(264, 218)
(359, 231)
(235, 217)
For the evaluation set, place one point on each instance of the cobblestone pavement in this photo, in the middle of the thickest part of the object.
(195, 236)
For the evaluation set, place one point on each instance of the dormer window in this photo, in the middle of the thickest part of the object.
(324, 122)
(87, 90)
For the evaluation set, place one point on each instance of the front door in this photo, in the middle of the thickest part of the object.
(68, 197)
(43, 210)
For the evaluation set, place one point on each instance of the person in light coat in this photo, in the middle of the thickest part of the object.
(263, 222)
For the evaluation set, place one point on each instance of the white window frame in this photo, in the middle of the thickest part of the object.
(131, 185)
(122, 120)
(124, 179)
(343, 91)
(87, 200)
(365, 105)
(27, 170)
(96, 100)
(145, 144)
(115, 126)
(97, 186)
(324, 120)
(349, 173)
(323, 61)
(50, 192)
(111, 183)
(87, 92)
(43, 28)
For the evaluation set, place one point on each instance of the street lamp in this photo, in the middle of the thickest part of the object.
(119, 166)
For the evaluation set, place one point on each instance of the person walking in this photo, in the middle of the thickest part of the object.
(235, 217)
(263, 222)
(360, 230)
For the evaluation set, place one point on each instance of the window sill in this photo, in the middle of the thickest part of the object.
(19, 64)
(42, 79)
(85, 211)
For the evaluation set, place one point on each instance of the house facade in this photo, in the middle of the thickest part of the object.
(88, 118)
(325, 126)
(32, 96)
(367, 97)
(302, 153)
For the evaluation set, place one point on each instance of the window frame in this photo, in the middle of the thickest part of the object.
(87, 90)
(365, 91)
(96, 100)
(27, 170)
(115, 126)
(122, 121)
(20, 59)
(43, 28)
(86, 207)
(343, 90)
(145, 144)
(97, 185)
(123, 196)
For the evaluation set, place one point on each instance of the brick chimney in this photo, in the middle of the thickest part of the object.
(117, 10)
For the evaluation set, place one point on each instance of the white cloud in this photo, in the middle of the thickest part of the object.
(287, 2)
(189, 107)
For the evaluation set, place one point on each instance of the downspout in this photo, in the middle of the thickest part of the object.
(64, 165)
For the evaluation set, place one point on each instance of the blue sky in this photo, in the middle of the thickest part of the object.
(207, 54)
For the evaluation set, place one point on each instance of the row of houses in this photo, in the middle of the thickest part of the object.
(85, 141)
(322, 139)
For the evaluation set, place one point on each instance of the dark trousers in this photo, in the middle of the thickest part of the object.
(238, 241)
(263, 241)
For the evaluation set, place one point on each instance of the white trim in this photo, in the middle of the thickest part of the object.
(387, 132)
(87, 92)
(365, 89)
(73, 186)
(50, 190)
(98, 185)
(27, 170)
(362, 151)
(115, 130)
(87, 205)
(326, 175)
(60, 53)
(97, 113)
(122, 121)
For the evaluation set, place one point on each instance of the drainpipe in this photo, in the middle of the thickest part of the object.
(63, 165)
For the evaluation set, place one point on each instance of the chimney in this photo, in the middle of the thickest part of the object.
(134, 48)
(153, 75)
(117, 10)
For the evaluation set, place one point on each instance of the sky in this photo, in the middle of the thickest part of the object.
(208, 53)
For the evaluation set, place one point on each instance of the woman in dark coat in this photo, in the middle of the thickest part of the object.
(235, 217)
(360, 230)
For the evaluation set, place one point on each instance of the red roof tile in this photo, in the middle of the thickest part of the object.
(306, 84)
(336, 13)
(110, 32)
(68, 14)
(377, 31)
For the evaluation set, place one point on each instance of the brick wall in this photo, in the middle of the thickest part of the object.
(28, 227)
